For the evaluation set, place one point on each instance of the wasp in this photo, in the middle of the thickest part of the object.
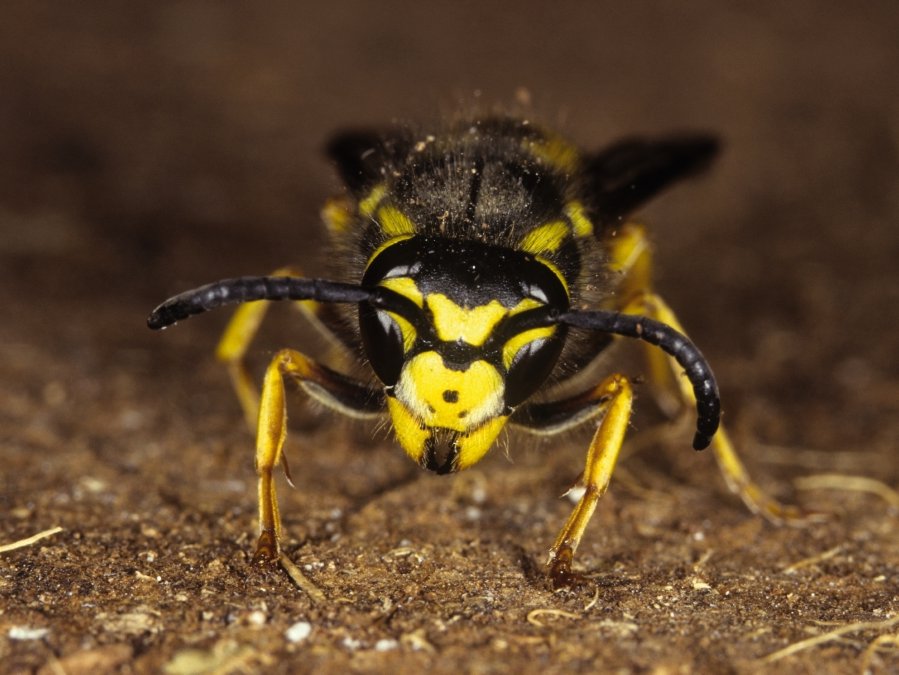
(484, 268)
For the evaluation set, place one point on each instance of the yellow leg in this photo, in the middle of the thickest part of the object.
(270, 437)
(267, 415)
(328, 387)
(614, 397)
(631, 257)
(231, 350)
(735, 474)
(238, 335)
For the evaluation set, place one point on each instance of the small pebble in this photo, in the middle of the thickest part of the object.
(386, 645)
(298, 631)
(27, 633)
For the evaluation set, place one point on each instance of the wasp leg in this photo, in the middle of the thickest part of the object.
(631, 256)
(612, 399)
(325, 385)
(241, 330)
(735, 474)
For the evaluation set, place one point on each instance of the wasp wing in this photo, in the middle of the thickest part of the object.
(364, 156)
(632, 171)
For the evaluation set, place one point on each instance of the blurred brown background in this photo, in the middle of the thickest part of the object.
(148, 147)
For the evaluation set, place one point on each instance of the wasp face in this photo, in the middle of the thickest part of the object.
(459, 350)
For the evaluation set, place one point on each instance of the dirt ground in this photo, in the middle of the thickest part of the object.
(146, 148)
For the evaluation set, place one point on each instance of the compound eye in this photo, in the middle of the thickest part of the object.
(383, 340)
(531, 361)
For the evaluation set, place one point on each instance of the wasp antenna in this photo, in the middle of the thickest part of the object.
(248, 289)
(687, 355)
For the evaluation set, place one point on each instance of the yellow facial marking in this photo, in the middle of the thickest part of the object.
(337, 214)
(524, 305)
(438, 396)
(407, 330)
(394, 222)
(513, 346)
(406, 287)
(546, 238)
(453, 322)
(368, 205)
(476, 444)
(579, 220)
(409, 431)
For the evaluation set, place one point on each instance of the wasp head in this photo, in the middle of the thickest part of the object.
(461, 337)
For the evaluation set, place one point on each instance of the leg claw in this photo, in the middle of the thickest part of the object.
(560, 574)
(267, 549)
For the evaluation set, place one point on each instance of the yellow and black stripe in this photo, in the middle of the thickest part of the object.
(469, 256)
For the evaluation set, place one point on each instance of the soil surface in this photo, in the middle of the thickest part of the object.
(146, 148)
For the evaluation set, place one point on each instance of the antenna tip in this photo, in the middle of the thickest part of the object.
(701, 441)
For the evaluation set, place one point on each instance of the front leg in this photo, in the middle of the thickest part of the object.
(612, 399)
(325, 385)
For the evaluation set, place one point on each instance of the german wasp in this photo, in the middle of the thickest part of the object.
(486, 267)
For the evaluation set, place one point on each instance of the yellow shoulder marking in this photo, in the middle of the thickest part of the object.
(579, 220)
(473, 326)
(368, 205)
(545, 239)
(554, 151)
(394, 222)
(337, 214)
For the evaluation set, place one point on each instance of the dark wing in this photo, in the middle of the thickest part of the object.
(631, 172)
(362, 156)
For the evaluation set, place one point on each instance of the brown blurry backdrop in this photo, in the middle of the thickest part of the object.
(149, 147)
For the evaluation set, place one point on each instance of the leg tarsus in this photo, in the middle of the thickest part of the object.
(754, 497)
